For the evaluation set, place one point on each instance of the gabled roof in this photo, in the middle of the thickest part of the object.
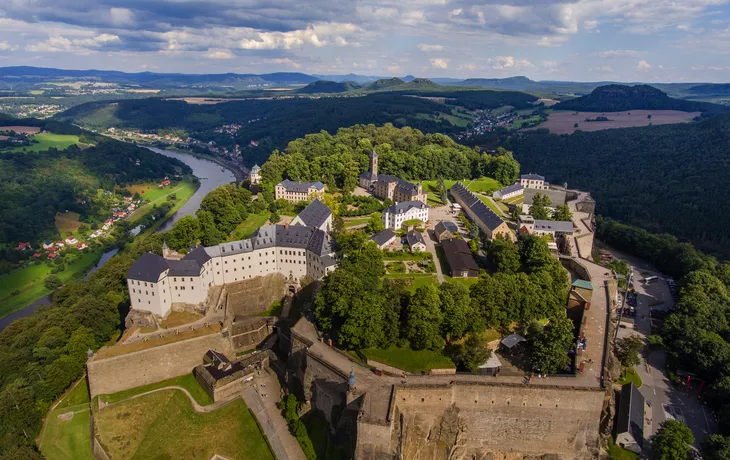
(183, 268)
(403, 185)
(532, 176)
(315, 214)
(630, 416)
(148, 267)
(198, 255)
(458, 255)
(512, 340)
(583, 284)
(414, 237)
(511, 188)
(405, 206)
(383, 237)
(443, 227)
(368, 175)
(292, 236)
(473, 204)
(300, 186)
(557, 197)
(256, 169)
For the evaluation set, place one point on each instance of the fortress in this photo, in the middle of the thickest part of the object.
(295, 251)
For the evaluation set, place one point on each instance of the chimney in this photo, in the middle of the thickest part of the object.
(286, 226)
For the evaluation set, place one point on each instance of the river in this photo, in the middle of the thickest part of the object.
(211, 175)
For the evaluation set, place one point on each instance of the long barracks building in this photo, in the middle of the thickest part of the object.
(155, 283)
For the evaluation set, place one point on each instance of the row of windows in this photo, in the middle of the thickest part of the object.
(146, 292)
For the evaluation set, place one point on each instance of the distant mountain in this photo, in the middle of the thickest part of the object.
(617, 98)
(157, 80)
(716, 89)
(408, 78)
(384, 83)
(515, 83)
(396, 84)
(322, 86)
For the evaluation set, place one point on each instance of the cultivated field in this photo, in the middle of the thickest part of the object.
(164, 425)
(563, 122)
(21, 129)
(46, 141)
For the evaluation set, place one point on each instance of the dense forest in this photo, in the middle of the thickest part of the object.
(403, 152)
(34, 187)
(666, 179)
(618, 98)
(697, 334)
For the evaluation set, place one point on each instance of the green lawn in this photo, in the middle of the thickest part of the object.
(630, 375)
(49, 140)
(410, 360)
(183, 195)
(465, 281)
(164, 425)
(355, 222)
(519, 199)
(29, 281)
(417, 256)
(69, 439)
(274, 310)
(395, 267)
(248, 226)
(183, 191)
(417, 279)
(617, 453)
(484, 184)
(186, 381)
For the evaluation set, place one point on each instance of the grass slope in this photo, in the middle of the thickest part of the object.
(29, 281)
(49, 140)
(415, 361)
(141, 428)
(248, 226)
(186, 381)
(69, 439)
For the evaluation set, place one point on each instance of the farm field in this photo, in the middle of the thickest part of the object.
(21, 129)
(29, 281)
(49, 140)
(141, 428)
(248, 226)
(409, 360)
(562, 122)
(68, 438)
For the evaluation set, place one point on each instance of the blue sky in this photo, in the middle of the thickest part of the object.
(586, 40)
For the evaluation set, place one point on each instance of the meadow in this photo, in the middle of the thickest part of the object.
(46, 141)
(68, 437)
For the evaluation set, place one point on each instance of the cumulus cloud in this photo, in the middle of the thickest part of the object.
(394, 69)
(509, 63)
(440, 63)
(619, 54)
(643, 66)
(58, 43)
(4, 46)
(426, 48)
(219, 54)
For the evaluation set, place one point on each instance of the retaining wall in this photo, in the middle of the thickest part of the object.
(153, 365)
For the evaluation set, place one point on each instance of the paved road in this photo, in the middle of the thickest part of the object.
(665, 400)
(431, 247)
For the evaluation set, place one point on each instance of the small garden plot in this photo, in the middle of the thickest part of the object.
(414, 361)
(395, 267)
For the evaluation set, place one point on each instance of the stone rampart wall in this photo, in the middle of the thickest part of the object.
(151, 365)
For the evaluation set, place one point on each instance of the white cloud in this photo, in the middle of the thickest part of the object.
(619, 54)
(318, 35)
(426, 48)
(394, 69)
(59, 43)
(509, 63)
(602, 69)
(219, 54)
(4, 46)
(643, 66)
(284, 61)
(439, 63)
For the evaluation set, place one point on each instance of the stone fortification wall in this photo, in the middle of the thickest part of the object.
(246, 333)
(152, 365)
(248, 297)
(465, 421)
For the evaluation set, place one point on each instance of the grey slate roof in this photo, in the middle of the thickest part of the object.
(476, 206)
(630, 416)
(512, 340)
(184, 268)
(368, 175)
(554, 226)
(414, 237)
(383, 237)
(557, 197)
(442, 227)
(405, 206)
(532, 176)
(403, 185)
(198, 254)
(373, 154)
(256, 169)
(300, 186)
(315, 214)
(148, 267)
(511, 188)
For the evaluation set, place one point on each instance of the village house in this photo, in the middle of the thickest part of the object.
(297, 191)
(630, 419)
(71, 240)
(415, 241)
(508, 192)
(394, 216)
(539, 227)
(459, 259)
(445, 230)
(384, 238)
(23, 246)
(81, 246)
(47, 244)
(165, 182)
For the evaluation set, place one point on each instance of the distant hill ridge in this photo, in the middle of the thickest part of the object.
(324, 86)
(618, 98)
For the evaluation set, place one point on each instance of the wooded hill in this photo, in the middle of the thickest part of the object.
(323, 86)
(35, 186)
(667, 179)
(618, 98)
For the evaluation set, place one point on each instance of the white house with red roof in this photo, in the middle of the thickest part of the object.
(71, 240)
(23, 246)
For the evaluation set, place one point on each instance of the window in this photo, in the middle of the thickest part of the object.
(133, 290)
(191, 280)
(192, 288)
(226, 271)
(139, 301)
(174, 279)
(145, 284)
(146, 293)
(176, 288)
(153, 293)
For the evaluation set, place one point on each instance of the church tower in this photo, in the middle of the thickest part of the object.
(374, 163)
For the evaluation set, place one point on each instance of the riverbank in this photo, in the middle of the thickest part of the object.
(234, 168)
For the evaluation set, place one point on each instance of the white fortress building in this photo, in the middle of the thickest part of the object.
(155, 283)
(297, 191)
(394, 216)
(534, 181)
